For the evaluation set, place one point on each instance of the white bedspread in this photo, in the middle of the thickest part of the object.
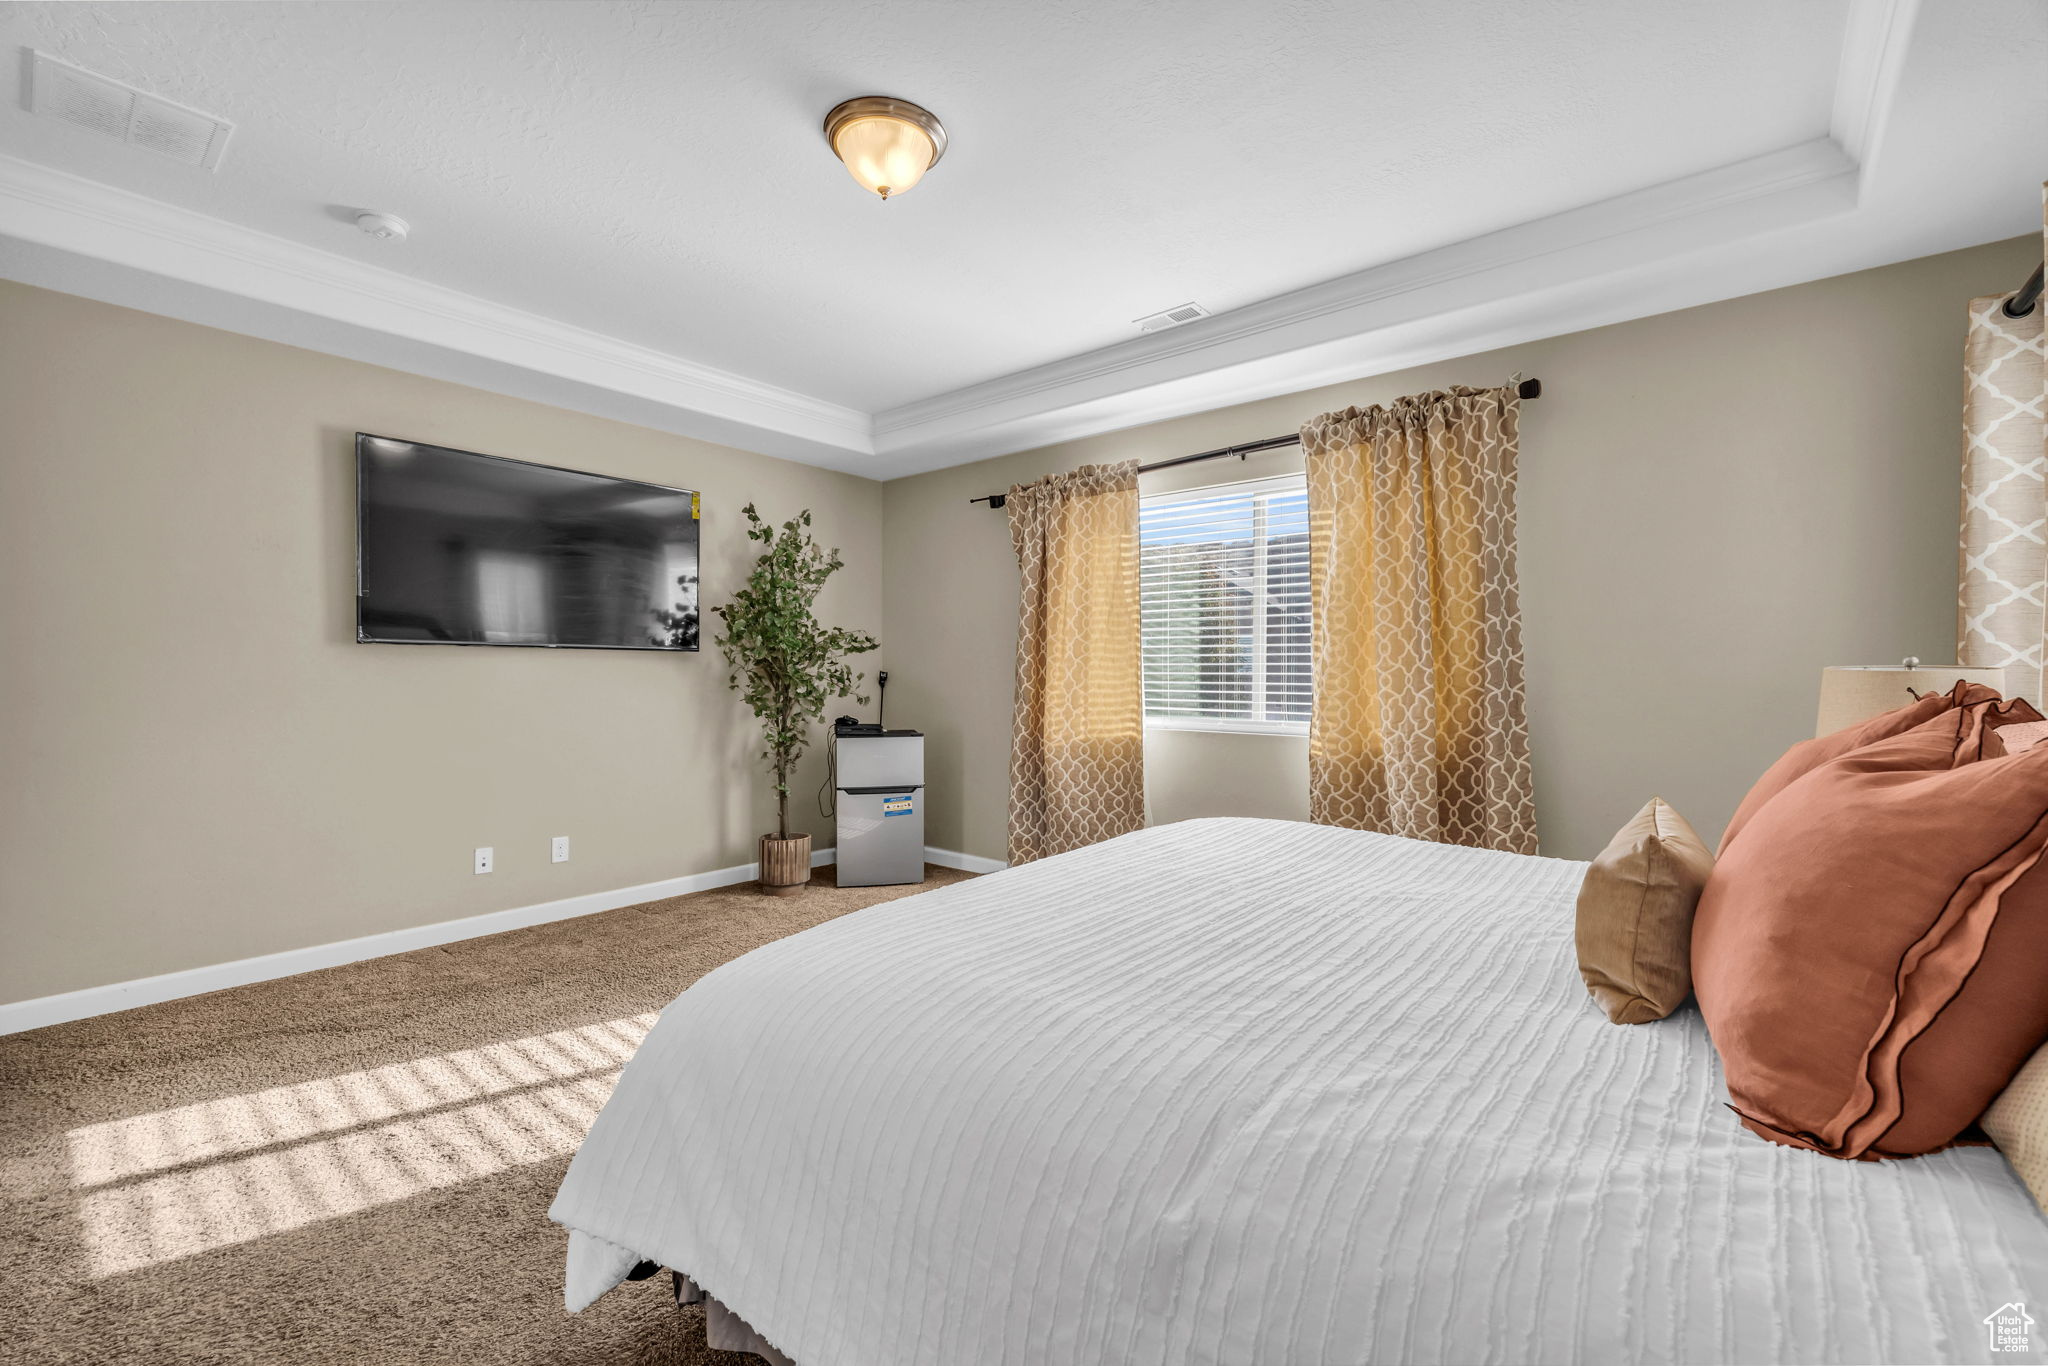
(1254, 1092)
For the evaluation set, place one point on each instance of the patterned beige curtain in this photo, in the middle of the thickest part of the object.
(2003, 575)
(1418, 727)
(1077, 761)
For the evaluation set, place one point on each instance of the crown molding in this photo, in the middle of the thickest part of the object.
(1536, 279)
(1874, 42)
(1672, 245)
(1531, 280)
(50, 208)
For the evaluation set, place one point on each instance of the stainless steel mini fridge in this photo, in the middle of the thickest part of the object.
(880, 797)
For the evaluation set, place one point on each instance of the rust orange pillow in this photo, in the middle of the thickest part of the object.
(1809, 755)
(1872, 956)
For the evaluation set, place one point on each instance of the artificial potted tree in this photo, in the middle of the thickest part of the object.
(786, 666)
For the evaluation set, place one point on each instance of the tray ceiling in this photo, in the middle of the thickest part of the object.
(629, 208)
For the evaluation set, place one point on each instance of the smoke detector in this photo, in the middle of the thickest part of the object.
(1172, 317)
(387, 227)
(59, 90)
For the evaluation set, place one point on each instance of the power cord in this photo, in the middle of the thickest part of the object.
(828, 805)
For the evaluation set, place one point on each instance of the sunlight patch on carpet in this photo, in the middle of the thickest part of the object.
(174, 1183)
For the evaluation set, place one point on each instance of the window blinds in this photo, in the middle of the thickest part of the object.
(1226, 606)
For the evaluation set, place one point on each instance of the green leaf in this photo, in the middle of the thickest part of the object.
(782, 662)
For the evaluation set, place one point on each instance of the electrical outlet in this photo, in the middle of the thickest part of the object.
(561, 850)
(483, 859)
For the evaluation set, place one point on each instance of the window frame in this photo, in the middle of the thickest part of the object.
(1295, 482)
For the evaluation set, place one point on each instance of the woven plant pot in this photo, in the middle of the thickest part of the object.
(785, 864)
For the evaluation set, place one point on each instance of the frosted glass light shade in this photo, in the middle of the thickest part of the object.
(887, 156)
(1856, 692)
(886, 144)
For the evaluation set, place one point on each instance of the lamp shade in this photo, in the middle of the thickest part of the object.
(1856, 692)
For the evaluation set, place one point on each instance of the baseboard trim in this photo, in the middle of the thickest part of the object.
(16, 1016)
(966, 863)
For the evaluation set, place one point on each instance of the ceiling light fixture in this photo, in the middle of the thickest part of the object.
(887, 144)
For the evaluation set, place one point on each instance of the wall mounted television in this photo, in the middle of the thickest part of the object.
(456, 548)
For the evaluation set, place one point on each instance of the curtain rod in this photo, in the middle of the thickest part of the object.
(2022, 303)
(1529, 388)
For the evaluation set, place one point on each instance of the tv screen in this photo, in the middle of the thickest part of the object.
(455, 548)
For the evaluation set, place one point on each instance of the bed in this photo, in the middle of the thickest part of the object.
(1246, 1091)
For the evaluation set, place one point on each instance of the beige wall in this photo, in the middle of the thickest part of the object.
(201, 763)
(1715, 503)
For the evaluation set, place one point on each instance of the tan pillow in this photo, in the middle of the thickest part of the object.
(2018, 1123)
(1635, 916)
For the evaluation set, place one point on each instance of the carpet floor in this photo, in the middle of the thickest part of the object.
(353, 1165)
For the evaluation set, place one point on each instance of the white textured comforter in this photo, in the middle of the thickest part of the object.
(1254, 1092)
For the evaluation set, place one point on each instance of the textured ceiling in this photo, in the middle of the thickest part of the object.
(654, 172)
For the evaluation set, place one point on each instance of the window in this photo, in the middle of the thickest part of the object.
(1226, 618)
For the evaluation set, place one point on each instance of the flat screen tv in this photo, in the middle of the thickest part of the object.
(456, 548)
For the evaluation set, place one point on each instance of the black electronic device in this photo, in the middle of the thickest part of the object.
(456, 548)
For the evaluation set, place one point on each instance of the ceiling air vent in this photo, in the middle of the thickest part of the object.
(63, 91)
(1172, 317)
